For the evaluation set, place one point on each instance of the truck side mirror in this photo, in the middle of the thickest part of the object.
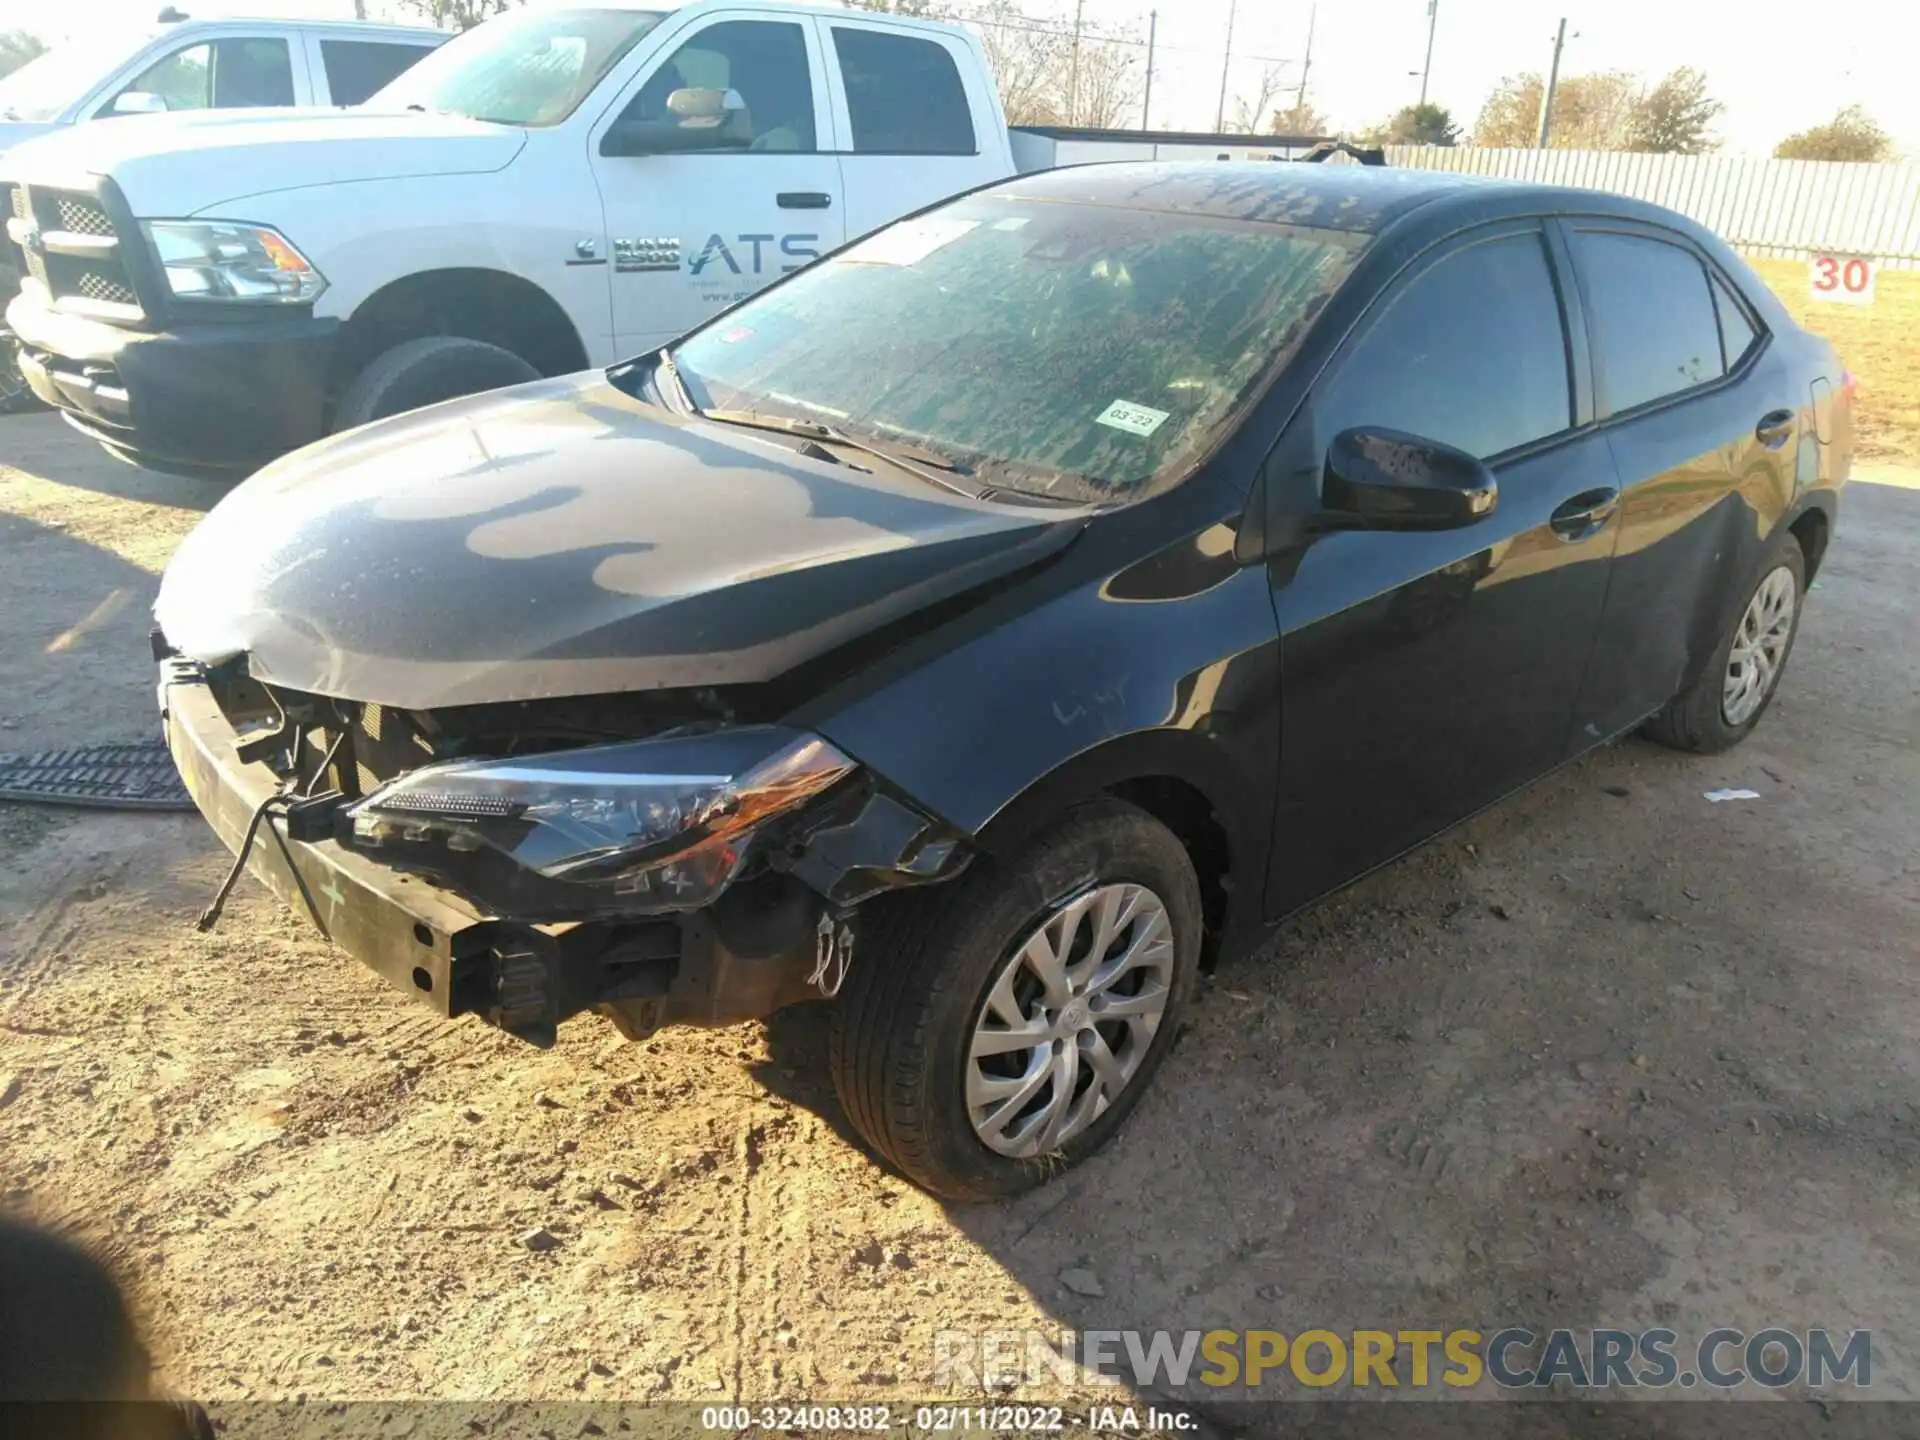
(699, 119)
(139, 102)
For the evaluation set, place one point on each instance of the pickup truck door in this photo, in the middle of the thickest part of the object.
(221, 71)
(914, 115)
(694, 232)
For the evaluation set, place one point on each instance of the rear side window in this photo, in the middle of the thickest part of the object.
(1652, 316)
(904, 95)
(1472, 353)
(1736, 331)
(357, 68)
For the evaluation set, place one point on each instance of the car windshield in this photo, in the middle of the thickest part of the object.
(1074, 350)
(531, 67)
(43, 88)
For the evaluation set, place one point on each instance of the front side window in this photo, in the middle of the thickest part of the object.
(904, 95)
(1651, 314)
(1472, 353)
(359, 68)
(763, 62)
(526, 67)
(1079, 350)
(229, 74)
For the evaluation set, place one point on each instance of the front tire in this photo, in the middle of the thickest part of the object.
(1734, 689)
(425, 372)
(999, 1029)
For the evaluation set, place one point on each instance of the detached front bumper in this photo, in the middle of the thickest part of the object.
(220, 398)
(645, 973)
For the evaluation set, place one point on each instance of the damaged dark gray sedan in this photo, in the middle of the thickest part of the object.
(989, 626)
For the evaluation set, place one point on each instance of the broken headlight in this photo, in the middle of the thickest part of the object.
(638, 827)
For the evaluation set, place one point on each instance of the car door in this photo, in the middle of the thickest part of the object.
(905, 116)
(1426, 674)
(1703, 421)
(693, 232)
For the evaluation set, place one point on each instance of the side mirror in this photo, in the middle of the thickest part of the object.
(700, 120)
(139, 102)
(1390, 480)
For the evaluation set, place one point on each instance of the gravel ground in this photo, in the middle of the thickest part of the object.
(1607, 1055)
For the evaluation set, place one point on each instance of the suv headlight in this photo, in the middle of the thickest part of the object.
(633, 828)
(247, 264)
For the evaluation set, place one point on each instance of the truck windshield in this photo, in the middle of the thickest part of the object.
(531, 67)
(1070, 350)
(43, 88)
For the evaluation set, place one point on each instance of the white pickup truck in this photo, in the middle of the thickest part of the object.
(563, 186)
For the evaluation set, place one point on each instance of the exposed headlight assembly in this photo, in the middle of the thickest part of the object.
(238, 264)
(634, 828)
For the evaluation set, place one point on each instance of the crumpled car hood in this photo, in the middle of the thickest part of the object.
(563, 538)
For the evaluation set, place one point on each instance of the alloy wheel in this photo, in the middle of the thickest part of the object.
(1759, 647)
(1069, 1019)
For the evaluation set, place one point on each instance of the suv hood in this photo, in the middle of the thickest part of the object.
(563, 538)
(179, 165)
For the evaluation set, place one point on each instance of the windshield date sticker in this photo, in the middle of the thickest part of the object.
(1013, 222)
(909, 242)
(1134, 419)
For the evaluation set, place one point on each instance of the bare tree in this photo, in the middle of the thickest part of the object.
(1248, 108)
(1110, 82)
(1030, 64)
(457, 14)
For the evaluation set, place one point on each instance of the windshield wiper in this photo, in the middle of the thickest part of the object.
(934, 469)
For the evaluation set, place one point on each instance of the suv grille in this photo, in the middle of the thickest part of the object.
(94, 283)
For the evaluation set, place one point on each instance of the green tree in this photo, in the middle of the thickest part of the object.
(1299, 118)
(1851, 135)
(17, 47)
(1590, 112)
(1676, 116)
(1427, 124)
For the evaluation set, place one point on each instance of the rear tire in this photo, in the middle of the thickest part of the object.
(1725, 703)
(1108, 890)
(425, 372)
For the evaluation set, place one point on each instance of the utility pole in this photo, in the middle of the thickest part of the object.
(1433, 10)
(1306, 64)
(1073, 86)
(1553, 80)
(1226, 64)
(1153, 33)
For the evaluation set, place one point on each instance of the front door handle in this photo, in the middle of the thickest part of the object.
(1775, 428)
(804, 200)
(1585, 513)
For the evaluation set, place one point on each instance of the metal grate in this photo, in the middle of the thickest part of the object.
(81, 216)
(113, 777)
(95, 286)
(21, 206)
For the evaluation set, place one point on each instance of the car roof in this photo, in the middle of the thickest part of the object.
(368, 28)
(1365, 199)
(828, 10)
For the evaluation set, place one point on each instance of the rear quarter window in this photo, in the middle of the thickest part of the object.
(357, 68)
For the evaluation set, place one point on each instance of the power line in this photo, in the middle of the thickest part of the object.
(1027, 25)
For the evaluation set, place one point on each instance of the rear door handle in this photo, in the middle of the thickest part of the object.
(1775, 428)
(1585, 513)
(804, 200)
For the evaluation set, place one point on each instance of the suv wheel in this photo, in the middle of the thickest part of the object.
(425, 372)
(998, 1029)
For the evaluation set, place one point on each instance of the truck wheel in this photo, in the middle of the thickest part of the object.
(425, 372)
(1722, 706)
(996, 1030)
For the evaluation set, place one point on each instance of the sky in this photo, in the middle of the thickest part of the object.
(1778, 65)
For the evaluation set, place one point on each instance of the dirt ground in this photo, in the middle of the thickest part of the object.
(1608, 1055)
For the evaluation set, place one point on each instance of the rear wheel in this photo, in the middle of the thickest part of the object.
(425, 372)
(994, 1031)
(1722, 707)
